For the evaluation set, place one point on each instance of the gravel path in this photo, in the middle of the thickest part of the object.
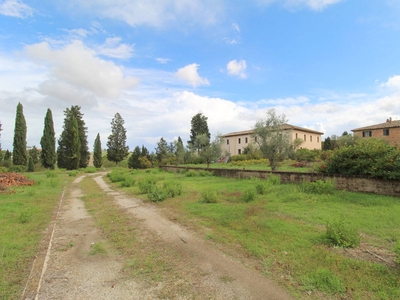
(70, 272)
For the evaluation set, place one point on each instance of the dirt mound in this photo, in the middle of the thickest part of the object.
(13, 179)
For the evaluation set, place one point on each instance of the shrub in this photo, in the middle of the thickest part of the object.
(205, 173)
(208, 196)
(274, 180)
(146, 185)
(51, 174)
(319, 187)
(342, 235)
(73, 173)
(17, 169)
(156, 194)
(116, 175)
(307, 155)
(3, 169)
(172, 188)
(261, 186)
(128, 181)
(191, 173)
(248, 195)
(90, 170)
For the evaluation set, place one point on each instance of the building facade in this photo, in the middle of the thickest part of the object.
(235, 142)
(389, 130)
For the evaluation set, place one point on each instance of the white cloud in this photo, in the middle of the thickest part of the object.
(113, 48)
(393, 82)
(155, 13)
(163, 60)
(236, 27)
(15, 8)
(237, 68)
(312, 4)
(78, 66)
(189, 74)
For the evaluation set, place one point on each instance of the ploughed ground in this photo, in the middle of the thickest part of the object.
(66, 268)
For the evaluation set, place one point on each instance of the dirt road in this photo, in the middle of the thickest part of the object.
(65, 269)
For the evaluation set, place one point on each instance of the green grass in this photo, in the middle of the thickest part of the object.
(284, 229)
(24, 214)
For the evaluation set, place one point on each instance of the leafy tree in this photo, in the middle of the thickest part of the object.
(7, 155)
(198, 126)
(19, 151)
(274, 142)
(34, 154)
(97, 153)
(31, 166)
(179, 151)
(82, 130)
(145, 152)
(162, 151)
(117, 149)
(327, 144)
(373, 157)
(212, 151)
(68, 151)
(48, 155)
(133, 161)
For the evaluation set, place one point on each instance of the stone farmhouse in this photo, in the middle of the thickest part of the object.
(234, 142)
(389, 130)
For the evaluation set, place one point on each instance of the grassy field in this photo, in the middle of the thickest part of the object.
(24, 213)
(283, 227)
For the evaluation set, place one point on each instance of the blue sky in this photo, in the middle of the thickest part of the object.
(328, 65)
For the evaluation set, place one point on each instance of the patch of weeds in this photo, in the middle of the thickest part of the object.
(51, 174)
(191, 173)
(24, 217)
(318, 187)
(128, 181)
(116, 175)
(73, 173)
(208, 196)
(205, 173)
(90, 170)
(53, 182)
(157, 194)
(97, 248)
(274, 180)
(342, 235)
(172, 188)
(146, 185)
(324, 280)
(261, 186)
(249, 195)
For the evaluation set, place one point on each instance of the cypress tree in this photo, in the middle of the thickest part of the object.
(48, 143)
(199, 126)
(75, 146)
(19, 151)
(97, 154)
(31, 167)
(82, 130)
(116, 144)
(68, 151)
(133, 161)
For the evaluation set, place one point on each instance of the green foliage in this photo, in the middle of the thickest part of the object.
(204, 173)
(51, 174)
(34, 154)
(249, 195)
(318, 187)
(156, 194)
(303, 154)
(19, 156)
(172, 188)
(342, 235)
(117, 150)
(73, 173)
(261, 186)
(128, 181)
(208, 196)
(48, 154)
(324, 280)
(133, 161)
(191, 173)
(199, 127)
(372, 157)
(97, 152)
(273, 179)
(146, 185)
(68, 151)
(248, 162)
(31, 167)
(89, 170)
(116, 175)
(17, 168)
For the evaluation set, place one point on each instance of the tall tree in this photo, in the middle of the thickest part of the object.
(68, 151)
(274, 142)
(97, 153)
(19, 151)
(82, 130)
(34, 154)
(48, 155)
(180, 151)
(162, 151)
(133, 161)
(212, 151)
(117, 149)
(198, 126)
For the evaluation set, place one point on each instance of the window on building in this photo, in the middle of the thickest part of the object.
(255, 139)
(386, 132)
(245, 140)
(296, 135)
(239, 140)
(305, 138)
(239, 151)
(317, 139)
(310, 138)
(367, 133)
(227, 142)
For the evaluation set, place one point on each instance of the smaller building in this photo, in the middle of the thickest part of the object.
(235, 142)
(389, 130)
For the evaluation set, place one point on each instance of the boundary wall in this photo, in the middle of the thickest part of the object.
(351, 183)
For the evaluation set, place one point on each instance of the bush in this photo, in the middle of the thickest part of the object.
(191, 173)
(3, 170)
(116, 175)
(261, 186)
(90, 170)
(146, 185)
(73, 173)
(342, 235)
(51, 174)
(128, 181)
(205, 173)
(172, 188)
(274, 180)
(307, 155)
(156, 194)
(318, 187)
(248, 195)
(208, 196)
(17, 169)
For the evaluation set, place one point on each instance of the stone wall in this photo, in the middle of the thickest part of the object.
(343, 182)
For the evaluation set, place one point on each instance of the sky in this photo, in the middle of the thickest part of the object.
(327, 65)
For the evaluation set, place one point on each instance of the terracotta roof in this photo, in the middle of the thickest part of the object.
(388, 124)
(284, 127)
